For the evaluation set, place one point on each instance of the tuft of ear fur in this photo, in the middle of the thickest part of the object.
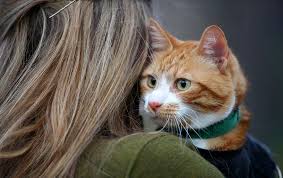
(213, 45)
(159, 38)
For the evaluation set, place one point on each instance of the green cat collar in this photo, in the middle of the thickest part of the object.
(220, 128)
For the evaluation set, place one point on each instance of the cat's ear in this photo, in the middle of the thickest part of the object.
(159, 39)
(213, 45)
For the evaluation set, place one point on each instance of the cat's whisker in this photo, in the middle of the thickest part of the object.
(196, 122)
(187, 133)
(187, 139)
(171, 128)
(167, 121)
(183, 119)
(193, 130)
(187, 124)
(194, 112)
(186, 129)
(177, 124)
(180, 128)
(186, 115)
(203, 129)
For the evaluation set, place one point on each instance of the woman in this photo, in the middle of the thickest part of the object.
(66, 79)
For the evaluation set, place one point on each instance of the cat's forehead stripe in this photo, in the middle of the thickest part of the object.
(171, 63)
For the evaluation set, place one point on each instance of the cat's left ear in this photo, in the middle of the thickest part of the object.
(159, 39)
(213, 45)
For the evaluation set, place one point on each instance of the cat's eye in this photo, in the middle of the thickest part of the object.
(151, 82)
(183, 84)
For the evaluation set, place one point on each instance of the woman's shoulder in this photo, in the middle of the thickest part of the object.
(143, 155)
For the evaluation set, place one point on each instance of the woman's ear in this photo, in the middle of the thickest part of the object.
(159, 39)
(213, 45)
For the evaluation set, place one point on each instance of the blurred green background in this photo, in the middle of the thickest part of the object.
(254, 30)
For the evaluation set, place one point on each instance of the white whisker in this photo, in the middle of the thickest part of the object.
(167, 121)
(194, 130)
(187, 133)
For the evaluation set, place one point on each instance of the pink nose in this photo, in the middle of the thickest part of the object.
(154, 105)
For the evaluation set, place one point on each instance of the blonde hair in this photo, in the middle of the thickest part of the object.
(66, 79)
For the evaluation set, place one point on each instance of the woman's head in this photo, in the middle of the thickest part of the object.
(63, 79)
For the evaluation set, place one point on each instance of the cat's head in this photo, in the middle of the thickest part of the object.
(194, 82)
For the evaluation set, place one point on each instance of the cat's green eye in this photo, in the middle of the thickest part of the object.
(183, 84)
(151, 81)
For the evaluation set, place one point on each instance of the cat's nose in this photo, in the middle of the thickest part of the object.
(154, 105)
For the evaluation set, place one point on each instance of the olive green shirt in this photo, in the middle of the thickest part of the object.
(144, 155)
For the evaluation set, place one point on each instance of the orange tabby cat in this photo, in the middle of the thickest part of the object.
(193, 85)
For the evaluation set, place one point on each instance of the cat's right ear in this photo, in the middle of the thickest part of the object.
(159, 39)
(213, 44)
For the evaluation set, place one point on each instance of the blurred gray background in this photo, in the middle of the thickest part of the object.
(254, 30)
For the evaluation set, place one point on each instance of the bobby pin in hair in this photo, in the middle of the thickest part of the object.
(62, 8)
